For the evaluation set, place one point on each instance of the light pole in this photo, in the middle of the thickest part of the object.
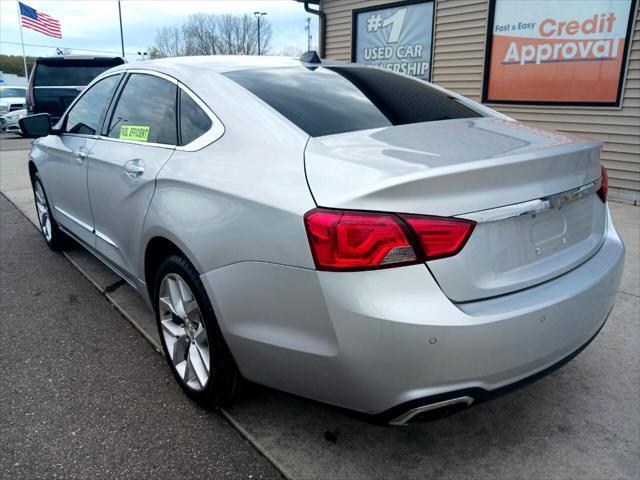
(259, 15)
(308, 29)
(121, 35)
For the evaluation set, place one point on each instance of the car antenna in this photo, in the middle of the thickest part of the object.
(310, 57)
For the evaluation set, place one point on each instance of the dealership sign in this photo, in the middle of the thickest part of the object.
(396, 37)
(557, 52)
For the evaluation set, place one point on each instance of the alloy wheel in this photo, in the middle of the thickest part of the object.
(184, 332)
(44, 216)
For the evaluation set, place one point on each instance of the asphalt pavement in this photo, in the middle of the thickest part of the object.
(83, 395)
(13, 141)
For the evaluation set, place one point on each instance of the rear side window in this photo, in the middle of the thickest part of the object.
(194, 122)
(146, 111)
(330, 100)
(71, 73)
(86, 115)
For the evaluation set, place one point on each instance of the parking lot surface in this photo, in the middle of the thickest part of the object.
(582, 421)
(12, 141)
(83, 394)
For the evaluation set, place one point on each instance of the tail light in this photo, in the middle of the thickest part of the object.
(350, 240)
(604, 186)
(440, 237)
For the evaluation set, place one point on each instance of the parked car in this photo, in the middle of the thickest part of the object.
(9, 121)
(12, 99)
(344, 233)
(56, 81)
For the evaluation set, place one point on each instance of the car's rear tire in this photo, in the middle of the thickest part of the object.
(191, 338)
(51, 233)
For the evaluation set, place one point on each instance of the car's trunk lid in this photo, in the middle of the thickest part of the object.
(458, 167)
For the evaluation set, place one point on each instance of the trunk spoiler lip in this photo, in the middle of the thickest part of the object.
(533, 207)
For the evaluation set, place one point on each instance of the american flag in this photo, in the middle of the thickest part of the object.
(38, 21)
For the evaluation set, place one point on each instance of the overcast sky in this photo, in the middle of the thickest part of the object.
(93, 25)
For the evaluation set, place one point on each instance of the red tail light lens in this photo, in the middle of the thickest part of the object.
(440, 237)
(344, 240)
(348, 240)
(604, 186)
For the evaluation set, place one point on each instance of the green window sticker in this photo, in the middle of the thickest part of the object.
(130, 132)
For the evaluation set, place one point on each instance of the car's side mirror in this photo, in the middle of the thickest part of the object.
(38, 125)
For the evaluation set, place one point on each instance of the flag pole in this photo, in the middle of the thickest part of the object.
(121, 36)
(24, 58)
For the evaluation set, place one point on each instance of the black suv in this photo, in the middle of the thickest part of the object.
(56, 81)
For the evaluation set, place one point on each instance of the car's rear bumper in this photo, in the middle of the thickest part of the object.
(372, 341)
(438, 406)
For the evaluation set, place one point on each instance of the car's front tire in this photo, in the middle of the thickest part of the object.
(51, 233)
(191, 338)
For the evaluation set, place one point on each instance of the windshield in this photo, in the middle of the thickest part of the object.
(329, 100)
(13, 92)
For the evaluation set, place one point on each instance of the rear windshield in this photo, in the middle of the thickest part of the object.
(71, 73)
(329, 100)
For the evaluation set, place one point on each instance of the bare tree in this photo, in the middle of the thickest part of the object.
(291, 51)
(169, 41)
(210, 34)
(200, 35)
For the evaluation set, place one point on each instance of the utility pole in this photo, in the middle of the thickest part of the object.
(121, 35)
(308, 29)
(259, 15)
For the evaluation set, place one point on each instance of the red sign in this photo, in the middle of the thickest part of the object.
(557, 52)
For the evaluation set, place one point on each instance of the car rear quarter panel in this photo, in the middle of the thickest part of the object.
(243, 197)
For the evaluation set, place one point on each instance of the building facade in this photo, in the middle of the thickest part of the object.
(476, 48)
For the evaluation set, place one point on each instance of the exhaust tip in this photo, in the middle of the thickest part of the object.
(432, 411)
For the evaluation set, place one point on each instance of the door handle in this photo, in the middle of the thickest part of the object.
(80, 155)
(134, 168)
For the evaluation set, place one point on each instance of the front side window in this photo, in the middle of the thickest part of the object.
(86, 116)
(330, 100)
(194, 122)
(146, 111)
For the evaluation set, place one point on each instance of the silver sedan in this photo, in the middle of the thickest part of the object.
(343, 233)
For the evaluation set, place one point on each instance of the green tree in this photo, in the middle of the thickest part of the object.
(154, 53)
(13, 64)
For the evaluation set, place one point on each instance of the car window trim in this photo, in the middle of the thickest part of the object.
(207, 138)
(179, 116)
(104, 135)
(214, 133)
(112, 102)
(104, 130)
(63, 118)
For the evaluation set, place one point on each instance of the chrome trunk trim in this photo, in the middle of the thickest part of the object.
(533, 207)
